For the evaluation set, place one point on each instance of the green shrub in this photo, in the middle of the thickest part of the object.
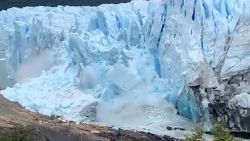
(219, 131)
(222, 134)
(196, 136)
(17, 135)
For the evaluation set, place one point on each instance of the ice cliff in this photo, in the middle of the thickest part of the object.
(129, 61)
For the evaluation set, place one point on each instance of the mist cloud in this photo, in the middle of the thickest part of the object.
(34, 66)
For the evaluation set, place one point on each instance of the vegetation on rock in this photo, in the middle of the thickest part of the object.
(196, 136)
(16, 135)
(220, 133)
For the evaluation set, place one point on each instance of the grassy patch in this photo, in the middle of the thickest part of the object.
(196, 136)
(220, 133)
(16, 135)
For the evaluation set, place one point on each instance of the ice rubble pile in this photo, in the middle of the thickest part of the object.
(194, 54)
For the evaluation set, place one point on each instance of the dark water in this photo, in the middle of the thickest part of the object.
(5, 4)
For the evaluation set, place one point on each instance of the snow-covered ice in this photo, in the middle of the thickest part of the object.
(242, 100)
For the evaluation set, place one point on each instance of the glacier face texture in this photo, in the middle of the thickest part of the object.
(101, 64)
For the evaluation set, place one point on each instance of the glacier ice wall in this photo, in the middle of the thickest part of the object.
(210, 46)
(185, 52)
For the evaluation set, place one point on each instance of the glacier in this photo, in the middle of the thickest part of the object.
(136, 65)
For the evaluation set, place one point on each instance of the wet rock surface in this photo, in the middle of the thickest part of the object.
(226, 108)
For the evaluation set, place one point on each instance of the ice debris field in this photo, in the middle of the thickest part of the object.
(124, 65)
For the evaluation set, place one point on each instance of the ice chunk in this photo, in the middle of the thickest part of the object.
(243, 100)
